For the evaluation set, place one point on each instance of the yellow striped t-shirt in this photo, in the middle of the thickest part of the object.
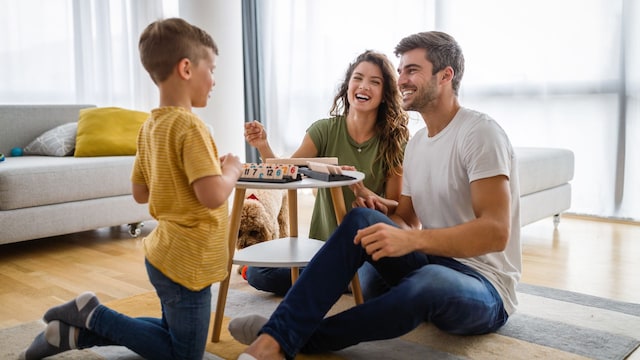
(189, 244)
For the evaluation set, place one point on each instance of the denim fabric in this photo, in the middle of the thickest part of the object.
(274, 280)
(278, 280)
(181, 333)
(418, 288)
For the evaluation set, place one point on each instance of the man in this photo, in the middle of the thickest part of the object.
(449, 255)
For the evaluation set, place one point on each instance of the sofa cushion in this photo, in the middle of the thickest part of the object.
(41, 180)
(542, 204)
(20, 124)
(108, 131)
(59, 141)
(543, 168)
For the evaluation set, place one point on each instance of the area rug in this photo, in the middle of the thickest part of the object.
(549, 324)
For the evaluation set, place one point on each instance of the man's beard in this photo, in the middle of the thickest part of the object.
(423, 97)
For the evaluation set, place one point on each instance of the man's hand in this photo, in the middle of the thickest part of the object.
(383, 240)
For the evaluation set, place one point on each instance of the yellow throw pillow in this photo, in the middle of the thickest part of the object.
(108, 131)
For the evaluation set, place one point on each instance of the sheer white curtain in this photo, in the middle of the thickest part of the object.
(307, 47)
(76, 51)
(552, 73)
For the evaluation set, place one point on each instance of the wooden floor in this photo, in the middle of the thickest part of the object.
(582, 255)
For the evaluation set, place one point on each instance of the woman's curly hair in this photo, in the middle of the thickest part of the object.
(392, 120)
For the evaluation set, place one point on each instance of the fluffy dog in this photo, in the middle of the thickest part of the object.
(265, 216)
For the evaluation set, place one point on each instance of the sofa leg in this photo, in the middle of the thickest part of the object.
(135, 229)
(556, 220)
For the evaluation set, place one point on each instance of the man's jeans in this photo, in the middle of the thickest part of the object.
(181, 333)
(452, 296)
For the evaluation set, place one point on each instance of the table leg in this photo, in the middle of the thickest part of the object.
(337, 197)
(234, 226)
(295, 273)
(338, 203)
(356, 290)
(292, 200)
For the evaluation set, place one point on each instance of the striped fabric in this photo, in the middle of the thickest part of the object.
(189, 245)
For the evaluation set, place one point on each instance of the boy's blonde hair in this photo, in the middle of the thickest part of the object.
(164, 43)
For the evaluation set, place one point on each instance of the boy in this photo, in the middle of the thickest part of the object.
(178, 173)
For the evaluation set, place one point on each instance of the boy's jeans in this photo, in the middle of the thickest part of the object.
(181, 333)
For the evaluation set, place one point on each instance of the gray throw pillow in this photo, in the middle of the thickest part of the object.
(59, 141)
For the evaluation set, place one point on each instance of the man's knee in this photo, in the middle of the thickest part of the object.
(365, 217)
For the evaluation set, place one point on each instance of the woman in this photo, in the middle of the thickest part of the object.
(367, 131)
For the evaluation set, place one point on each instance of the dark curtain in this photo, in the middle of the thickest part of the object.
(253, 87)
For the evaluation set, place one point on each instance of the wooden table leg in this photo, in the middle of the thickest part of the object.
(338, 203)
(340, 209)
(356, 290)
(292, 202)
(234, 226)
(295, 273)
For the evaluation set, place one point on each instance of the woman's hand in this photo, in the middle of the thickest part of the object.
(367, 198)
(255, 134)
(372, 202)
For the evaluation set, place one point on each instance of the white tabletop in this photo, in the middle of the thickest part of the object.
(305, 183)
(283, 252)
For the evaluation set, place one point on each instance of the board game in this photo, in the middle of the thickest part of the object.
(273, 173)
(289, 170)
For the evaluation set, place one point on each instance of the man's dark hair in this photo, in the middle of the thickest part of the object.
(442, 51)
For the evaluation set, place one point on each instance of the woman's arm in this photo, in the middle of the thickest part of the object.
(256, 136)
(369, 199)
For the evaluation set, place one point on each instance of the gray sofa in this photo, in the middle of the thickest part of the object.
(42, 196)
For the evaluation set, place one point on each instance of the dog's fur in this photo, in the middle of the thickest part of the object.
(265, 216)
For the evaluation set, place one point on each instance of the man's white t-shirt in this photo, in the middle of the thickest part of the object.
(438, 172)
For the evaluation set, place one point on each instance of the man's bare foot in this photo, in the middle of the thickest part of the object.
(265, 348)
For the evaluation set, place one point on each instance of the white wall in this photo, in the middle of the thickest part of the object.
(225, 110)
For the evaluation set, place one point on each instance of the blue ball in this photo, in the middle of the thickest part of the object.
(1, 157)
(16, 151)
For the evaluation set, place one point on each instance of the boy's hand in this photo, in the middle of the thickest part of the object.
(231, 163)
(255, 134)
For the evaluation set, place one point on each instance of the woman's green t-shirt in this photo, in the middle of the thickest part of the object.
(332, 140)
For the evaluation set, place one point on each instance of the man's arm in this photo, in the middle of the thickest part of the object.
(488, 232)
(405, 215)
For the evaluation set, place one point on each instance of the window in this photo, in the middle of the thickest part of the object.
(66, 51)
(553, 74)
